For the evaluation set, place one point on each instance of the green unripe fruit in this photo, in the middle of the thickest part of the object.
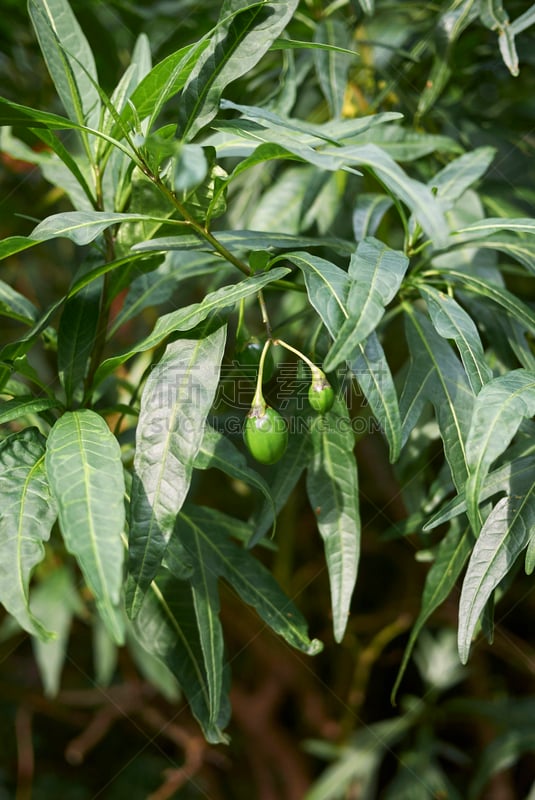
(321, 395)
(265, 434)
(248, 359)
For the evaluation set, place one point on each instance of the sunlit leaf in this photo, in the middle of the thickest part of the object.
(83, 464)
(175, 402)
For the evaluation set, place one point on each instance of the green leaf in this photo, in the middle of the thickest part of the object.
(245, 240)
(245, 32)
(332, 487)
(156, 287)
(490, 225)
(217, 451)
(453, 181)
(499, 480)
(524, 21)
(54, 599)
(162, 83)
(376, 273)
(166, 627)
(15, 305)
(368, 214)
(418, 198)
(185, 319)
(24, 405)
(83, 463)
(76, 338)
(452, 322)
(499, 409)
(372, 372)
(204, 535)
(332, 67)
(504, 535)
(498, 294)
(202, 539)
(83, 227)
(327, 286)
(451, 556)
(69, 58)
(176, 399)
(495, 17)
(440, 378)
(26, 518)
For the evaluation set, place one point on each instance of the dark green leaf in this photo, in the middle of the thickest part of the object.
(441, 380)
(166, 627)
(332, 486)
(376, 273)
(69, 59)
(245, 32)
(76, 338)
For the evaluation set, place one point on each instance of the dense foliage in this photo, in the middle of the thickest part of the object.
(268, 311)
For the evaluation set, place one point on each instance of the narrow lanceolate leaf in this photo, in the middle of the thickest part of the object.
(174, 405)
(372, 372)
(450, 559)
(369, 211)
(490, 225)
(504, 479)
(27, 514)
(69, 58)
(217, 451)
(332, 486)
(202, 537)
(452, 181)
(332, 67)
(498, 294)
(184, 319)
(495, 17)
(328, 287)
(15, 305)
(83, 227)
(166, 627)
(76, 337)
(245, 32)
(446, 387)
(25, 405)
(521, 248)
(83, 463)
(376, 273)
(204, 533)
(504, 535)
(500, 408)
(452, 322)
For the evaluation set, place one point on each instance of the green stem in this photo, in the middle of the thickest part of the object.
(317, 373)
(258, 399)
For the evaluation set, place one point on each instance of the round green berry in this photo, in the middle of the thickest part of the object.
(321, 395)
(265, 434)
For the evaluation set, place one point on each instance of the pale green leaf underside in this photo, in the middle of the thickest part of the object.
(499, 409)
(504, 535)
(27, 514)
